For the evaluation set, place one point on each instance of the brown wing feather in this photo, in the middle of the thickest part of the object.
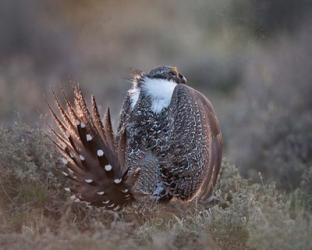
(215, 156)
(94, 163)
(194, 165)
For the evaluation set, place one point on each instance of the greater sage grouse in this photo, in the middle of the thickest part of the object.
(168, 144)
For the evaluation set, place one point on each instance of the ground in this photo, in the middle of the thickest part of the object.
(36, 212)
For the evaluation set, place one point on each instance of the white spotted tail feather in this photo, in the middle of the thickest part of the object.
(95, 160)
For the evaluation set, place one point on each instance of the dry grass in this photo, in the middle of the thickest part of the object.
(35, 212)
(240, 53)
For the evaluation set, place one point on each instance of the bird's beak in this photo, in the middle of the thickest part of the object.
(184, 79)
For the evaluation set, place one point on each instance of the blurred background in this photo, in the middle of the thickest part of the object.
(251, 58)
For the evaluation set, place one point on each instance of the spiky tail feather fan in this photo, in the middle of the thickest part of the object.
(95, 160)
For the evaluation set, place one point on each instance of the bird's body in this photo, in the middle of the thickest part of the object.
(168, 137)
(173, 144)
(148, 122)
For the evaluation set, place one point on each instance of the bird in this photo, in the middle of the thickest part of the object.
(168, 144)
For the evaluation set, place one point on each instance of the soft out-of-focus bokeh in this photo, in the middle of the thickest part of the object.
(251, 58)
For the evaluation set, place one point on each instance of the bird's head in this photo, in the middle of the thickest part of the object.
(168, 73)
(158, 84)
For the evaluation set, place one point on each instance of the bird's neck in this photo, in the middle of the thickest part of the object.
(160, 92)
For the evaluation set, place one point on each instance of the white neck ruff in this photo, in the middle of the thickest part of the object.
(160, 91)
(134, 94)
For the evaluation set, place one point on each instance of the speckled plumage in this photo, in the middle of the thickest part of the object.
(176, 142)
(168, 144)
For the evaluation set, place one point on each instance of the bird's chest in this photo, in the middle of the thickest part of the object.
(150, 131)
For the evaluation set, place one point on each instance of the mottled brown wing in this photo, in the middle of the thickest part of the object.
(210, 120)
(94, 158)
(195, 145)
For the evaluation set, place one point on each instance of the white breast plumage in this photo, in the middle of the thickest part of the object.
(134, 94)
(160, 92)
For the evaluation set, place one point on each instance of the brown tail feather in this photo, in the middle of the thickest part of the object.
(95, 161)
(109, 128)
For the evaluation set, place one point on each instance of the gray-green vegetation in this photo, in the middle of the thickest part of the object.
(36, 212)
(251, 58)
